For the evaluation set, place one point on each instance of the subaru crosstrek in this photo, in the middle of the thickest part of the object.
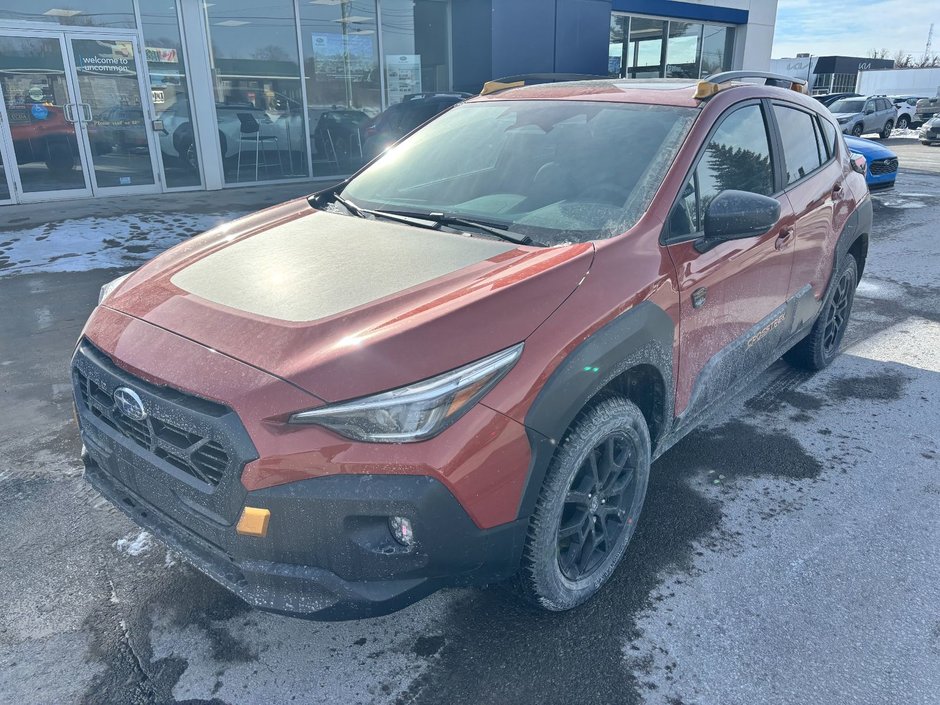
(457, 366)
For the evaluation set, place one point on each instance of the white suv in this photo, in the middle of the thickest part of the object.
(906, 106)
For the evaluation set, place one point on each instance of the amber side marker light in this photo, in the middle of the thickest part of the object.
(253, 522)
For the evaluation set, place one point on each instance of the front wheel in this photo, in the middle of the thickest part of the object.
(904, 122)
(858, 129)
(886, 130)
(821, 345)
(588, 507)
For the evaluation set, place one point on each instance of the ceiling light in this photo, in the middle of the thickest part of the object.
(232, 23)
(59, 12)
(355, 18)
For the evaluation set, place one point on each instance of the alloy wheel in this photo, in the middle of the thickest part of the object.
(837, 315)
(599, 505)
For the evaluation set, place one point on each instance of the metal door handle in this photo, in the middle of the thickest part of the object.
(783, 239)
(67, 109)
(86, 112)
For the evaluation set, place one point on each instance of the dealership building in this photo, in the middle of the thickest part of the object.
(123, 97)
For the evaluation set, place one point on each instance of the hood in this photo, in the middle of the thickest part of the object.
(845, 116)
(343, 307)
(869, 149)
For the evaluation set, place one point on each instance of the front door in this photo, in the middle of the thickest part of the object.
(73, 118)
(112, 114)
(732, 295)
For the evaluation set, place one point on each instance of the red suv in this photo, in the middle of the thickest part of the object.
(457, 366)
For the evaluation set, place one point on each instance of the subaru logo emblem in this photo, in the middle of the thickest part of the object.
(129, 403)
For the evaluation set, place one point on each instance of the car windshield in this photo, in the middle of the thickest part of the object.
(553, 171)
(847, 105)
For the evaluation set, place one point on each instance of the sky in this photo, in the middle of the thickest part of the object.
(854, 27)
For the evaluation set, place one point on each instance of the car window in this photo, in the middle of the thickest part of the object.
(801, 150)
(557, 171)
(870, 105)
(847, 105)
(829, 136)
(737, 157)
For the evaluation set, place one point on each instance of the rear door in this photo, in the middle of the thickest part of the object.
(732, 296)
(813, 182)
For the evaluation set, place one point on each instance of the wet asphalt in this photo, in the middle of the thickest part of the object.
(788, 553)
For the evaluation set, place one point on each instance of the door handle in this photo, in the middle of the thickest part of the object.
(783, 239)
(67, 112)
(837, 187)
(698, 297)
(86, 112)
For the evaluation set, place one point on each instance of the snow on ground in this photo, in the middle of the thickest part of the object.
(81, 244)
(135, 545)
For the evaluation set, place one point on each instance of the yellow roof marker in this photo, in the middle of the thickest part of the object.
(494, 86)
(253, 522)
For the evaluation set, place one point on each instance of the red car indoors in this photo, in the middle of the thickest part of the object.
(457, 366)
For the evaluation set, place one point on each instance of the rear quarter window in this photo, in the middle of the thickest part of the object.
(802, 153)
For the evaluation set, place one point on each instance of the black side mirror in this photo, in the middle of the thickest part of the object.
(735, 215)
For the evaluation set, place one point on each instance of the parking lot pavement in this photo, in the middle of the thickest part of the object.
(788, 553)
(914, 156)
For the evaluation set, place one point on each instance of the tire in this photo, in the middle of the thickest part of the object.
(581, 501)
(904, 122)
(858, 130)
(821, 345)
(886, 131)
(59, 158)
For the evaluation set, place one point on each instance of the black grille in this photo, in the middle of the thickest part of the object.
(203, 458)
(884, 166)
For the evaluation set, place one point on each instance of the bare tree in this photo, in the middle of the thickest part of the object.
(878, 53)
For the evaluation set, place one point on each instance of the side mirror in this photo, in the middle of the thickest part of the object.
(735, 215)
(870, 111)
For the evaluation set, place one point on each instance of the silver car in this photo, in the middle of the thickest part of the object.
(930, 131)
(864, 115)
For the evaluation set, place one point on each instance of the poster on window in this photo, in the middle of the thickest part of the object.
(402, 76)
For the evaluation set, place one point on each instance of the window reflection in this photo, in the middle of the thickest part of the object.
(341, 65)
(73, 13)
(416, 42)
(256, 73)
(717, 49)
(170, 93)
(684, 51)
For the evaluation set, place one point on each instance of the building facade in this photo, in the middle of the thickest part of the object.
(828, 74)
(112, 97)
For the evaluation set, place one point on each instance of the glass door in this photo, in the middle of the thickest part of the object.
(112, 114)
(43, 157)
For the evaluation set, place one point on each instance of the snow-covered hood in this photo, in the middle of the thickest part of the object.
(343, 306)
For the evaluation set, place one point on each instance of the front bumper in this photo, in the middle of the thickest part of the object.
(340, 521)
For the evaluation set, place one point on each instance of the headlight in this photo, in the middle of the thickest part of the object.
(843, 120)
(111, 286)
(418, 411)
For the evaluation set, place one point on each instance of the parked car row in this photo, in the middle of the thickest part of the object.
(909, 110)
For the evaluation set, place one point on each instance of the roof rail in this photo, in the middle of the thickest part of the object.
(528, 79)
(710, 85)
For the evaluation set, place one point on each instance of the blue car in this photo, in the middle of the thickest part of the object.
(882, 166)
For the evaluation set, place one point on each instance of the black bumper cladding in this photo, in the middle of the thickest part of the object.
(328, 553)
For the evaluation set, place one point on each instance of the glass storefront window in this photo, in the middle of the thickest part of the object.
(40, 114)
(416, 43)
(258, 97)
(74, 13)
(684, 50)
(646, 48)
(341, 69)
(717, 49)
(619, 29)
(169, 93)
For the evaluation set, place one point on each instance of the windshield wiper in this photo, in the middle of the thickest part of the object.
(443, 219)
(438, 220)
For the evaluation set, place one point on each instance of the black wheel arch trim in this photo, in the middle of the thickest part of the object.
(641, 336)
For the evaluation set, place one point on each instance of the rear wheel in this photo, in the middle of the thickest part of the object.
(588, 507)
(886, 130)
(821, 345)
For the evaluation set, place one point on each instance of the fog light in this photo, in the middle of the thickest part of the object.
(401, 530)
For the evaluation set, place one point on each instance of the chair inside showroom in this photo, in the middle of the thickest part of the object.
(250, 131)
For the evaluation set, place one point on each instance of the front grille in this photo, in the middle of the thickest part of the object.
(194, 454)
(884, 166)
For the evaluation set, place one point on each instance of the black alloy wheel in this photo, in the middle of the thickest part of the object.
(598, 506)
(858, 129)
(837, 313)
